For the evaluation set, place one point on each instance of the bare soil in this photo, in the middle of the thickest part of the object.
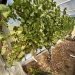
(61, 62)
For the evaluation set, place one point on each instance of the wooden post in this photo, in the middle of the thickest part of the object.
(0, 32)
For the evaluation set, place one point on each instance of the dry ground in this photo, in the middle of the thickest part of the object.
(62, 62)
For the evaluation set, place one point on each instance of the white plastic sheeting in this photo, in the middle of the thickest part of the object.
(69, 4)
(17, 69)
(72, 55)
(59, 2)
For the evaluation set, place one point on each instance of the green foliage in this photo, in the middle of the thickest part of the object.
(4, 10)
(41, 25)
(1, 36)
(41, 19)
(35, 72)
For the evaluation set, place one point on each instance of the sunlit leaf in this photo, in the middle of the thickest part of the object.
(4, 10)
(1, 37)
(3, 50)
(21, 54)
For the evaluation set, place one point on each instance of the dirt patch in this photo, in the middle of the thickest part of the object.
(61, 62)
(42, 64)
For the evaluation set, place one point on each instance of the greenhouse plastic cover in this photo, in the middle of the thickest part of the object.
(69, 4)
